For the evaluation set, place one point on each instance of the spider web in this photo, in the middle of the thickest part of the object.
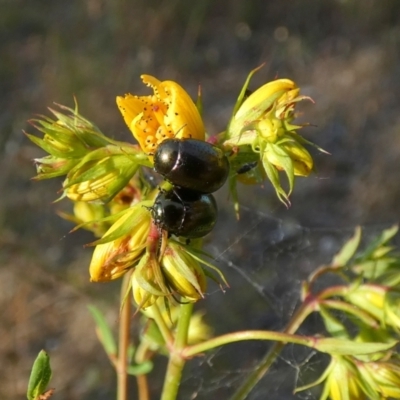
(264, 256)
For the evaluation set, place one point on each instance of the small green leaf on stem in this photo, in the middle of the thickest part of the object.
(40, 376)
(348, 250)
(140, 369)
(349, 347)
(104, 332)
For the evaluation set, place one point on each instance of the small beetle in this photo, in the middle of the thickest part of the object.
(185, 213)
(192, 164)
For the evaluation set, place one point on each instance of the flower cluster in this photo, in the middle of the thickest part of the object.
(261, 129)
(113, 199)
(347, 377)
(370, 299)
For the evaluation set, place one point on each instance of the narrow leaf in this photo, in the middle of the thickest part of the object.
(40, 376)
(104, 332)
(349, 347)
(348, 250)
(140, 369)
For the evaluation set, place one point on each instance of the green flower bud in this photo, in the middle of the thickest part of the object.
(147, 282)
(101, 174)
(383, 377)
(67, 139)
(182, 272)
(263, 120)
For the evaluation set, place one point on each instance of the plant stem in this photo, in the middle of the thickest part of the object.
(177, 360)
(123, 339)
(143, 387)
(306, 308)
(222, 340)
(162, 326)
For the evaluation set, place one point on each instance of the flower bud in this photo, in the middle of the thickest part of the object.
(67, 139)
(90, 215)
(100, 175)
(147, 282)
(291, 157)
(182, 272)
(93, 189)
(342, 381)
(263, 120)
(199, 330)
(121, 246)
(383, 377)
(258, 103)
(370, 298)
(141, 296)
(380, 301)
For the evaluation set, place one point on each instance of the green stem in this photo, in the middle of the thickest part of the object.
(306, 308)
(176, 359)
(309, 305)
(162, 326)
(123, 340)
(222, 340)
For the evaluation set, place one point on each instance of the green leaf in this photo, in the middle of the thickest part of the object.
(40, 376)
(350, 347)
(104, 332)
(348, 250)
(378, 269)
(379, 241)
(140, 369)
(285, 162)
(333, 325)
(242, 95)
(273, 177)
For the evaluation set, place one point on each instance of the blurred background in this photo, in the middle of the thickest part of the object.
(344, 54)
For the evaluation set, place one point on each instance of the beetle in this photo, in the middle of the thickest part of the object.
(184, 212)
(191, 164)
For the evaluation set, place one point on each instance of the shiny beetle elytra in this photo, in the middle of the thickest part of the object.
(185, 213)
(192, 164)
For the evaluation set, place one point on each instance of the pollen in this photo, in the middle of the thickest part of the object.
(162, 133)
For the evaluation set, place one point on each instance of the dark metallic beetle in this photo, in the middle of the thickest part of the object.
(192, 164)
(184, 212)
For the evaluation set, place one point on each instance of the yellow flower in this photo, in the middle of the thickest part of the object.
(168, 113)
(121, 246)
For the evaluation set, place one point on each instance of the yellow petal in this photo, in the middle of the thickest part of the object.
(302, 160)
(112, 259)
(169, 113)
(259, 101)
(182, 116)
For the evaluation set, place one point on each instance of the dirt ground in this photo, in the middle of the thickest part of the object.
(344, 54)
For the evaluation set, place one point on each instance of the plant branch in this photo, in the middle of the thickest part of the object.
(123, 339)
(176, 359)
